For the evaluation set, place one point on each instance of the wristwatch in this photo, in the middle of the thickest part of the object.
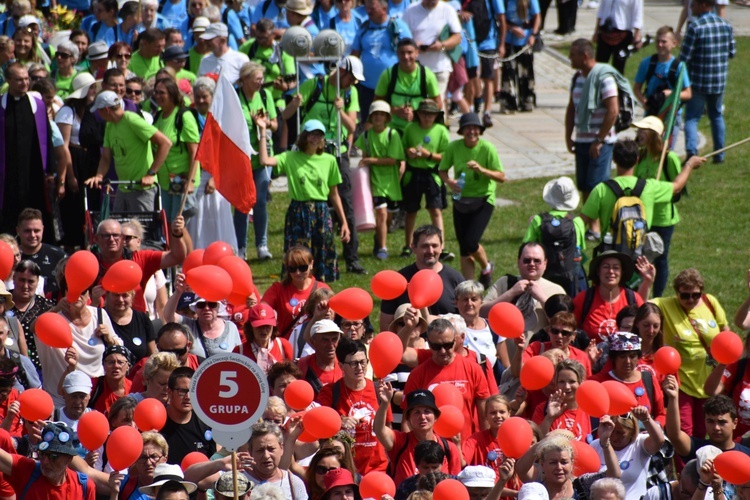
(598, 140)
(151, 173)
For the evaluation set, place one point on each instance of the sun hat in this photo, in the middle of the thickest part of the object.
(469, 119)
(98, 51)
(381, 107)
(81, 84)
(339, 477)
(77, 381)
(428, 106)
(225, 484)
(57, 437)
(106, 99)
(421, 397)
(174, 52)
(561, 194)
(628, 268)
(301, 7)
(261, 315)
(623, 342)
(214, 30)
(164, 473)
(400, 312)
(311, 125)
(477, 476)
(200, 24)
(650, 123)
(354, 66)
(325, 326)
(4, 293)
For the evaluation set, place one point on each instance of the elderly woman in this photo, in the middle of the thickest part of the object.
(692, 319)
(133, 327)
(66, 56)
(256, 101)
(263, 345)
(155, 291)
(156, 373)
(561, 411)
(474, 160)
(479, 336)
(114, 384)
(7, 55)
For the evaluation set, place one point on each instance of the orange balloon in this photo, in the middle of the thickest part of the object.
(385, 353)
(450, 422)
(506, 320)
(425, 288)
(81, 272)
(299, 394)
(239, 271)
(586, 459)
(150, 415)
(351, 303)
(448, 394)
(7, 261)
(375, 484)
(192, 458)
(124, 447)
(36, 404)
(667, 360)
(733, 467)
(322, 422)
(388, 285)
(93, 429)
(621, 399)
(450, 489)
(515, 437)
(215, 252)
(124, 276)
(593, 398)
(193, 260)
(53, 330)
(726, 348)
(210, 282)
(537, 373)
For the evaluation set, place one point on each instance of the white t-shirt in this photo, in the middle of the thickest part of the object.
(483, 341)
(626, 14)
(230, 64)
(66, 116)
(300, 491)
(634, 461)
(155, 282)
(426, 25)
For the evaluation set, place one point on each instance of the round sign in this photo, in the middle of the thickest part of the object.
(229, 392)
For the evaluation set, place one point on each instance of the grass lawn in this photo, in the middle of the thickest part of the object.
(714, 235)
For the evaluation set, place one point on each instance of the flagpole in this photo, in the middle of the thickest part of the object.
(719, 151)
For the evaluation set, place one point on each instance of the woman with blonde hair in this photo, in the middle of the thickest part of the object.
(156, 372)
(25, 47)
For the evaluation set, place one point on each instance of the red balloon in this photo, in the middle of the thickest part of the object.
(53, 330)
(7, 260)
(322, 422)
(375, 484)
(36, 404)
(726, 348)
(621, 399)
(124, 276)
(150, 415)
(81, 272)
(515, 437)
(215, 252)
(351, 303)
(388, 285)
(239, 271)
(93, 429)
(586, 459)
(448, 394)
(192, 458)
(124, 447)
(537, 373)
(425, 288)
(592, 397)
(667, 360)
(193, 260)
(450, 489)
(733, 466)
(385, 353)
(450, 422)
(506, 320)
(210, 282)
(299, 394)
(306, 437)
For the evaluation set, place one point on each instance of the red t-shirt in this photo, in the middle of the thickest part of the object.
(403, 446)
(658, 411)
(477, 449)
(16, 429)
(107, 398)
(150, 262)
(576, 421)
(42, 489)
(288, 302)
(600, 322)
(464, 374)
(740, 394)
(369, 454)
(281, 350)
(6, 444)
(536, 348)
(137, 372)
(325, 377)
(425, 354)
(533, 398)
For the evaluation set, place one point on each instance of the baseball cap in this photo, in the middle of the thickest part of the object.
(325, 326)
(354, 66)
(214, 30)
(174, 52)
(650, 123)
(311, 125)
(57, 438)
(97, 51)
(477, 476)
(200, 24)
(28, 20)
(77, 381)
(261, 315)
(225, 485)
(106, 99)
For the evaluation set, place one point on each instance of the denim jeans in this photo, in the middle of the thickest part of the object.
(694, 108)
(661, 263)
(590, 172)
(262, 179)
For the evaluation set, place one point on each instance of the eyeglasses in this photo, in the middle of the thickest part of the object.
(3, 300)
(351, 324)
(177, 352)
(150, 458)
(129, 237)
(50, 456)
(355, 364)
(63, 55)
(106, 236)
(447, 345)
(133, 91)
(558, 331)
(528, 261)
(182, 392)
(323, 470)
(302, 268)
(690, 296)
(118, 362)
(36, 78)
(203, 305)
(123, 56)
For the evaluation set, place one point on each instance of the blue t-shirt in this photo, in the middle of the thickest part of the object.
(175, 13)
(511, 15)
(376, 44)
(100, 31)
(489, 44)
(233, 23)
(278, 16)
(7, 27)
(322, 18)
(87, 21)
(347, 30)
(661, 74)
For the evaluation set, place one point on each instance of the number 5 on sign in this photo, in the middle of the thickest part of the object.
(227, 380)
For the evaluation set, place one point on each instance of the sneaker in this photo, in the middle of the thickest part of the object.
(592, 236)
(406, 252)
(356, 268)
(382, 254)
(263, 253)
(592, 5)
(487, 120)
(485, 277)
(447, 256)
(242, 252)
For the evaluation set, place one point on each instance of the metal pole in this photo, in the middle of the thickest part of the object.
(338, 113)
(296, 63)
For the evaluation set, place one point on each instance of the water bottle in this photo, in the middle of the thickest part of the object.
(461, 183)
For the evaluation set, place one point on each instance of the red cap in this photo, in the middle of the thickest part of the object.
(338, 477)
(262, 314)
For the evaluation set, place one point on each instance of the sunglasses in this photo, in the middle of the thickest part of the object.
(528, 261)
(63, 55)
(133, 92)
(323, 470)
(558, 331)
(124, 56)
(177, 352)
(203, 305)
(689, 296)
(302, 268)
(447, 345)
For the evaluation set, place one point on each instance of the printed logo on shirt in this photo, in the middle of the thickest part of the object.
(461, 385)
(365, 414)
(607, 328)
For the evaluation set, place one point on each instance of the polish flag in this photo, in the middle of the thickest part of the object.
(225, 150)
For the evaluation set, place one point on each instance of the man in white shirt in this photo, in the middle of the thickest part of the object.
(222, 58)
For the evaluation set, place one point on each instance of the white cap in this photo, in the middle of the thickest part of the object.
(214, 30)
(28, 20)
(106, 99)
(77, 381)
(200, 24)
(325, 326)
(477, 476)
(533, 491)
(354, 66)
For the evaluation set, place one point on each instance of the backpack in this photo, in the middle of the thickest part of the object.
(559, 242)
(483, 17)
(628, 224)
(392, 28)
(179, 121)
(393, 78)
(626, 105)
(588, 300)
(315, 96)
(392, 466)
(37, 472)
(655, 101)
(245, 27)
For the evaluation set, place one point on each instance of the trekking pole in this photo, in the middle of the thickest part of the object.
(743, 141)
(299, 116)
(338, 113)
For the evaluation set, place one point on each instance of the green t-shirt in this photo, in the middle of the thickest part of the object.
(178, 159)
(184, 74)
(194, 60)
(64, 85)
(264, 56)
(309, 177)
(248, 109)
(665, 214)
(602, 200)
(534, 231)
(435, 140)
(128, 140)
(324, 110)
(145, 68)
(408, 89)
(457, 155)
(384, 180)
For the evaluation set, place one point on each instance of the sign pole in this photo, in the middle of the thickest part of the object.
(234, 476)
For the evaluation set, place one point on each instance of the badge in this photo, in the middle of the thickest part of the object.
(625, 465)
(293, 302)
(426, 139)
(92, 341)
(555, 222)
(137, 341)
(49, 436)
(224, 346)
(63, 437)
(43, 446)
(712, 324)
(492, 456)
(639, 391)
(9, 314)
(208, 435)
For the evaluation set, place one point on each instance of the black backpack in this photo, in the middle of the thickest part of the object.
(482, 17)
(315, 96)
(393, 78)
(559, 242)
(179, 121)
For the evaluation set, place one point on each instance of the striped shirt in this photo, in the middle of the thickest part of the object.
(706, 50)
(608, 89)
